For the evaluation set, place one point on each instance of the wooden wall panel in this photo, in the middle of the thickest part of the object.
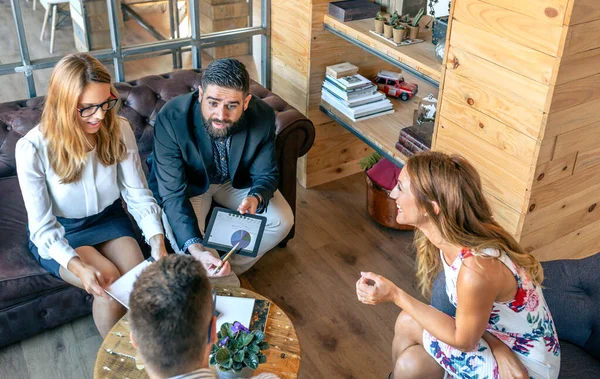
(503, 52)
(524, 30)
(575, 245)
(579, 66)
(550, 11)
(505, 82)
(582, 37)
(569, 119)
(502, 136)
(576, 92)
(554, 170)
(586, 159)
(504, 109)
(582, 139)
(583, 11)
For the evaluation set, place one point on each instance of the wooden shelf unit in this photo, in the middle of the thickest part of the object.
(418, 59)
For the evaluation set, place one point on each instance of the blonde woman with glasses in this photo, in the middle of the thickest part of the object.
(73, 168)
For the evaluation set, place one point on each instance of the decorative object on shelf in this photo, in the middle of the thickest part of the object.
(415, 138)
(405, 42)
(353, 10)
(379, 20)
(381, 176)
(238, 351)
(392, 84)
(399, 33)
(387, 29)
(440, 49)
(341, 69)
(427, 109)
(401, 6)
(439, 10)
(413, 28)
(440, 27)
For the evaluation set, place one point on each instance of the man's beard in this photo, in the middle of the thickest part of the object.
(230, 129)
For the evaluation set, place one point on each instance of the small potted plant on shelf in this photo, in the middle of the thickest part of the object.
(379, 20)
(387, 29)
(238, 351)
(413, 28)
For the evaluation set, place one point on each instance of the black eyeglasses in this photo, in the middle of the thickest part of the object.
(215, 313)
(92, 109)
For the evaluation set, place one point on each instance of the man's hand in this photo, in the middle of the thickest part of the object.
(509, 366)
(248, 205)
(158, 248)
(208, 260)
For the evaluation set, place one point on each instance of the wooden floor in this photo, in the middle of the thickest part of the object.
(312, 280)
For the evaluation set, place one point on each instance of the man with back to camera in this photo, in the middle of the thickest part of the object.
(217, 143)
(171, 316)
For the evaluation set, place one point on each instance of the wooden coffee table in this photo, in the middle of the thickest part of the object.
(117, 357)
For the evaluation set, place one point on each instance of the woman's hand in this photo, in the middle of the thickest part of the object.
(157, 246)
(374, 289)
(509, 366)
(91, 278)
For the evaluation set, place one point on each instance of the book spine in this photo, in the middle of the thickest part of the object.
(407, 153)
(409, 145)
(408, 137)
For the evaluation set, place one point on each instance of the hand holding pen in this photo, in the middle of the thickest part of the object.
(225, 259)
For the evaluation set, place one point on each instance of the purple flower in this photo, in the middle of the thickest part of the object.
(237, 326)
(224, 342)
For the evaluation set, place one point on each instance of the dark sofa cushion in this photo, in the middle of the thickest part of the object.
(22, 277)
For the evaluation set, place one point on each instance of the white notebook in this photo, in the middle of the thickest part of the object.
(121, 288)
(231, 309)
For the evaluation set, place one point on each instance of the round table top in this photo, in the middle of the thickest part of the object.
(116, 357)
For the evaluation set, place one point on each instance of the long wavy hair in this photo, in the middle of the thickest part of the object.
(465, 218)
(60, 125)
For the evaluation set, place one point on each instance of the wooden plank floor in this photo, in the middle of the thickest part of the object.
(312, 280)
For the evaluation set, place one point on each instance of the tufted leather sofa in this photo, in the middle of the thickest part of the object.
(572, 291)
(31, 300)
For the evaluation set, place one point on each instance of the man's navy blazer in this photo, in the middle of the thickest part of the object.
(182, 155)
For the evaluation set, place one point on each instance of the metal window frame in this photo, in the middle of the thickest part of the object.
(118, 53)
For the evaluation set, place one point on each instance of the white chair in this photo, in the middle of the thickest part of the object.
(50, 5)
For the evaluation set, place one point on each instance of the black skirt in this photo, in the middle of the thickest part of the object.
(110, 224)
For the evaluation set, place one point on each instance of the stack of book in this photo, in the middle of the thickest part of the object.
(352, 94)
(415, 138)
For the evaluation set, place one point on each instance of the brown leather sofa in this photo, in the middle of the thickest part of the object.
(31, 300)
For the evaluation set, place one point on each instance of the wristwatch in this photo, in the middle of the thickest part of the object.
(260, 202)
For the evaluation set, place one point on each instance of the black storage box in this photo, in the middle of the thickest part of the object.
(353, 10)
(440, 26)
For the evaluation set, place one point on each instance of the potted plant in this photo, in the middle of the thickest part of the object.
(238, 351)
(387, 29)
(398, 33)
(379, 20)
(413, 28)
(381, 176)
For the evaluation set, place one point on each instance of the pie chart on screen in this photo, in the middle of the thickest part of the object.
(242, 237)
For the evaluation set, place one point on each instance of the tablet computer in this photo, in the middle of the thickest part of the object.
(227, 228)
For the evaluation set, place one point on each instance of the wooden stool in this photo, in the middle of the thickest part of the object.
(50, 4)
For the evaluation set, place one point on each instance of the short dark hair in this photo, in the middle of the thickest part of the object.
(227, 73)
(170, 309)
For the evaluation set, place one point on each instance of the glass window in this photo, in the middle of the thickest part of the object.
(380, 81)
(391, 82)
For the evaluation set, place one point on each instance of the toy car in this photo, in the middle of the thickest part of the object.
(393, 84)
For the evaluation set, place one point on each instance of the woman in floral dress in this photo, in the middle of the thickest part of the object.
(503, 328)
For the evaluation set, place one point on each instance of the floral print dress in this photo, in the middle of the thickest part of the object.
(524, 324)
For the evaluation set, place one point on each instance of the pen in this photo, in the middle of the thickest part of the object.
(220, 266)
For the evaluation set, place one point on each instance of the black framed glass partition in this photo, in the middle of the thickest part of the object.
(134, 38)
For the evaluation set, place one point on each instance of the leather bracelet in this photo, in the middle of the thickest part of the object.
(258, 197)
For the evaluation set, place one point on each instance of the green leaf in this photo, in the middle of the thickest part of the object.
(254, 349)
(259, 336)
(228, 364)
(224, 330)
(212, 361)
(222, 356)
(214, 348)
(246, 339)
(251, 361)
(262, 358)
(239, 356)
(264, 345)
(237, 366)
